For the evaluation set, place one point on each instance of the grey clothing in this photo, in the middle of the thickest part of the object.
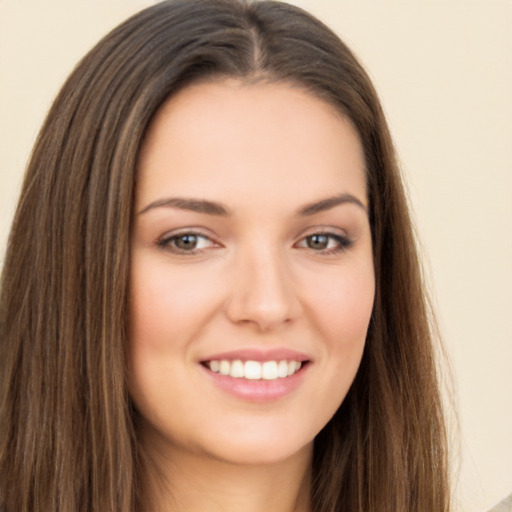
(503, 506)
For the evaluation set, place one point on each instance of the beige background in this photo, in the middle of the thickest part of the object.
(444, 72)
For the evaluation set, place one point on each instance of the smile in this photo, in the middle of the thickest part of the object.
(257, 375)
(254, 370)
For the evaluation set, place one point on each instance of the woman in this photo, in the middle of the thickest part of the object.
(211, 298)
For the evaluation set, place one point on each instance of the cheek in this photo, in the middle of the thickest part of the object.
(341, 306)
(168, 307)
(342, 312)
(167, 304)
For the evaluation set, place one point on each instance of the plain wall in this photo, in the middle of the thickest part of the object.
(444, 72)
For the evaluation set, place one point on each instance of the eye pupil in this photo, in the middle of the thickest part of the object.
(186, 242)
(318, 241)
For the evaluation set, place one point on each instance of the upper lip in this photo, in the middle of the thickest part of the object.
(250, 354)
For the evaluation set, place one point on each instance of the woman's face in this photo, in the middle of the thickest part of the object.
(252, 278)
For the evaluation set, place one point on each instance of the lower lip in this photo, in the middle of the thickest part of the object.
(258, 390)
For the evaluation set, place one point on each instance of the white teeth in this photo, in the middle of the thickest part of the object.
(237, 369)
(224, 367)
(282, 369)
(269, 370)
(215, 366)
(254, 370)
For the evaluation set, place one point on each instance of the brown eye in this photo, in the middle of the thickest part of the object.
(325, 243)
(186, 242)
(318, 242)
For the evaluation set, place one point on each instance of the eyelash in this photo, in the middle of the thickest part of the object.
(342, 243)
(169, 241)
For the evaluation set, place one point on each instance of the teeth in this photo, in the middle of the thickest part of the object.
(269, 370)
(237, 369)
(293, 366)
(224, 367)
(282, 369)
(254, 370)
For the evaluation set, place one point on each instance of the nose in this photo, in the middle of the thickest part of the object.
(264, 293)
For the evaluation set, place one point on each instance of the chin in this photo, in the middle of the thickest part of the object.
(258, 448)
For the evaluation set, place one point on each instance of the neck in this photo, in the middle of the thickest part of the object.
(196, 482)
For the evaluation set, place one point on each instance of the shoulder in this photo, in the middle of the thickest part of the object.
(503, 506)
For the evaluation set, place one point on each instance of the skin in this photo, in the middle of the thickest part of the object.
(255, 280)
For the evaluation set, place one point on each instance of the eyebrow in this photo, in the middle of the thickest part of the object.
(214, 208)
(331, 202)
(194, 205)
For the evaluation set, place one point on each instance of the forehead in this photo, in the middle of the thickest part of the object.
(231, 139)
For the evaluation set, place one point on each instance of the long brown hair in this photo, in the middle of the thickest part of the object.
(68, 437)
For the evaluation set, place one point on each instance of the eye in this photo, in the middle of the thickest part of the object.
(186, 243)
(325, 243)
